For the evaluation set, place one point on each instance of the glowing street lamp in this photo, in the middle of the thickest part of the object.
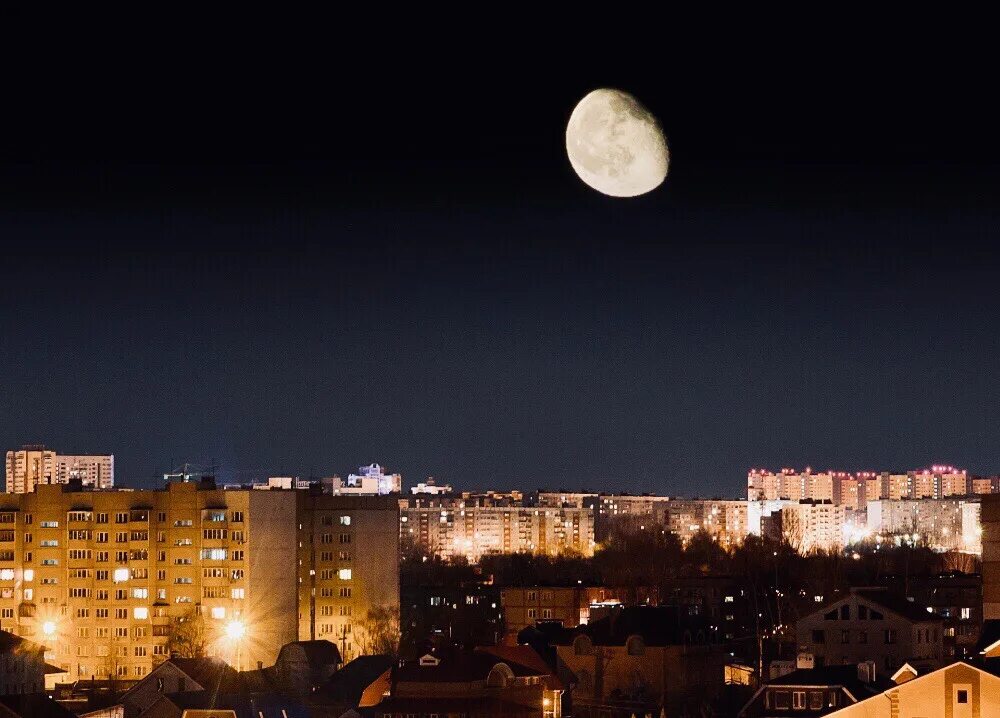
(235, 630)
(49, 628)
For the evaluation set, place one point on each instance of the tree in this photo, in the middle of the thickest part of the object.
(378, 633)
(187, 637)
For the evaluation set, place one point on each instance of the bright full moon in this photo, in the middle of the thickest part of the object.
(616, 145)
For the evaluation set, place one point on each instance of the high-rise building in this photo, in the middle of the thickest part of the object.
(474, 527)
(991, 557)
(93, 470)
(813, 525)
(32, 465)
(725, 521)
(940, 523)
(111, 580)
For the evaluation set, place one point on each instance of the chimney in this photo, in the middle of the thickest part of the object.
(866, 671)
(805, 660)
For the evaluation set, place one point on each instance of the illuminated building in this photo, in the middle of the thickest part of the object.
(34, 464)
(369, 481)
(431, 487)
(940, 523)
(475, 527)
(104, 577)
(813, 525)
(725, 521)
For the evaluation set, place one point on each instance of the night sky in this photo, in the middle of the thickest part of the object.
(292, 255)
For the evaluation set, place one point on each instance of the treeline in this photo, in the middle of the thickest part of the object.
(652, 558)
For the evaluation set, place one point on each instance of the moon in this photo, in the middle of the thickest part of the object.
(616, 145)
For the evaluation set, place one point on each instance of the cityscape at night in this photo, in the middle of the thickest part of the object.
(456, 366)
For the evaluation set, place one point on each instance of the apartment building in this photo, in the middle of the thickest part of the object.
(105, 579)
(626, 512)
(991, 557)
(725, 521)
(348, 565)
(855, 490)
(559, 499)
(35, 464)
(813, 525)
(472, 528)
(941, 523)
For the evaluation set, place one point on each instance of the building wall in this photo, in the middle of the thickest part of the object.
(991, 556)
(111, 571)
(339, 534)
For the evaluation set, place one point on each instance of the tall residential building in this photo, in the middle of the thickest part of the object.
(35, 464)
(941, 523)
(472, 528)
(104, 578)
(991, 557)
(93, 470)
(813, 525)
(725, 521)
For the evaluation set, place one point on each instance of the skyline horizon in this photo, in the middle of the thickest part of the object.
(242, 475)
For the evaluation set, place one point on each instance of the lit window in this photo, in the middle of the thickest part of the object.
(344, 574)
(29, 574)
(218, 612)
(140, 613)
(121, 574)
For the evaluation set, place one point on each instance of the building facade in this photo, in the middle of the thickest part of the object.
(35, 464)
(813, 525)
(871, 626)
(472, 528)
(941, 523)
(369, 481)
(109, 580)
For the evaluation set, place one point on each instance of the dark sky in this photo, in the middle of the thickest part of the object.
(293, 249)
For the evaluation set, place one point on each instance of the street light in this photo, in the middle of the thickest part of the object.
(235, 630)
(49, 628)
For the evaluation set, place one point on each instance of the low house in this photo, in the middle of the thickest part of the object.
(872, 624)
(22, 666)
(508, 681)
(640, 659)
(303, 666)
(813, 692)
(178, 675)
(31, 705)
(344, 690)
(959, 690)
